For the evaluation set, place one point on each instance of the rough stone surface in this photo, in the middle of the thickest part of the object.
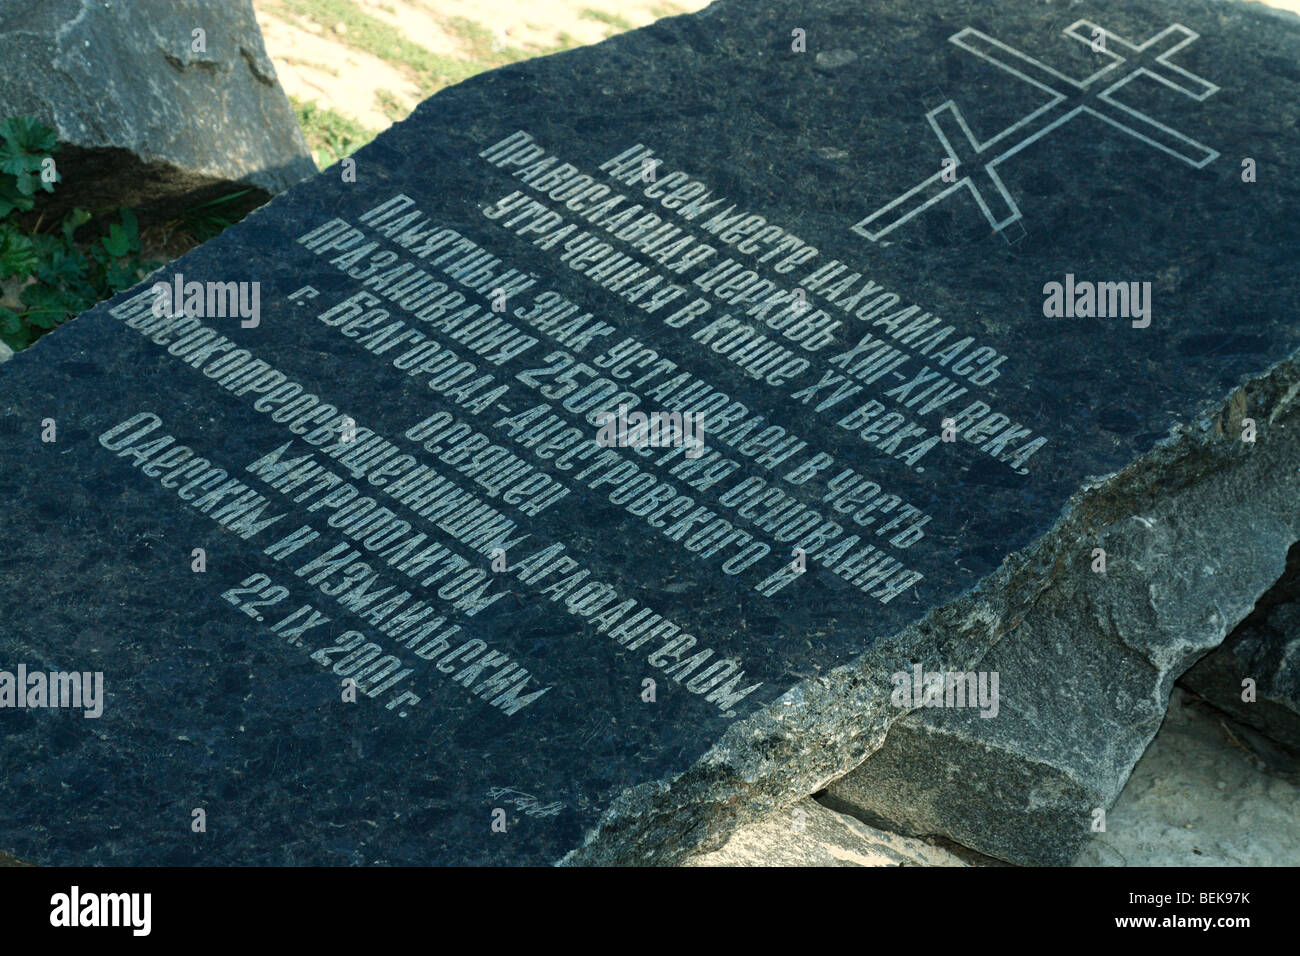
(209, 707)
(1086, 675)
(1265, 649)
(809, 834)
(146, 119)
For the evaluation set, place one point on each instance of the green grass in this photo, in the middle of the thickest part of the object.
(209, 219)
(567, 42)
(661, 10)
(390, 105)
(431, 71)
(482, 42)
(611, 19)
(330, 135)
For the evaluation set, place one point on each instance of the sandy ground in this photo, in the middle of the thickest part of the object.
(809, 834)
(1207, 792)
(313, 65)
(315, 61)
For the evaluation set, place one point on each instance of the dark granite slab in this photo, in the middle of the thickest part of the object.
(206, 707)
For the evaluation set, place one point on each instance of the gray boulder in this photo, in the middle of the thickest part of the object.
(151, 113)
(1086, 675)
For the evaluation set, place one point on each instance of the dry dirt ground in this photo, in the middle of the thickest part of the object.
(1207, 792)
(344, 55)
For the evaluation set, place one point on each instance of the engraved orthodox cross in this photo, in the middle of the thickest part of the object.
(975, 164)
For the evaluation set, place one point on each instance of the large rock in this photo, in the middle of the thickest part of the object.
(146, 118)
(570, 645)
(1086, 676)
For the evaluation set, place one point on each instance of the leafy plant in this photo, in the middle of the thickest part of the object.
(25, 145)
(330, 135)
(209, 219)
(48, 274)
(609, 19)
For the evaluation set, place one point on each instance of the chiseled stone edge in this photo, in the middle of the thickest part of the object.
(824, 727)
(1086, 677)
